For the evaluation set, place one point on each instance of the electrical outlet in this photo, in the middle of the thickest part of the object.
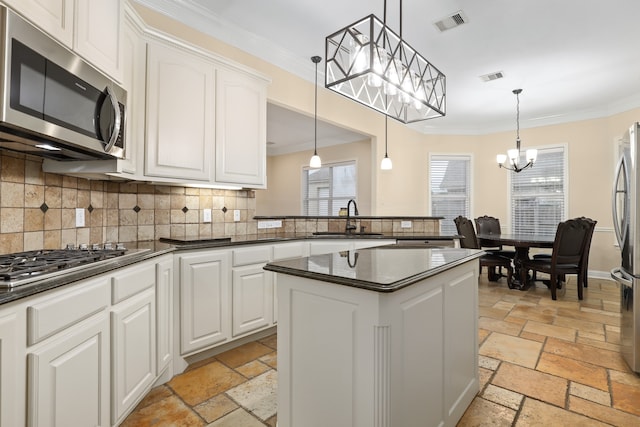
(236, 214)
(206, 214)
(79, 217)
(405, 224)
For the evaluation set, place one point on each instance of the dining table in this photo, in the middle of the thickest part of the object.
(522, 242)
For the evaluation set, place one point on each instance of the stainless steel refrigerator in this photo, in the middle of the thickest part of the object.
(626, 221)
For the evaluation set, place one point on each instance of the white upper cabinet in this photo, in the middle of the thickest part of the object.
(180, 114)
(90, 28)
(241, 129)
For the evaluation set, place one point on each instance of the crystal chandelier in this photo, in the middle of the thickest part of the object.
(514, 153)
(369, 63)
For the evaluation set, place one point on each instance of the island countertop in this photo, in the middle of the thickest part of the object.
(376, 269)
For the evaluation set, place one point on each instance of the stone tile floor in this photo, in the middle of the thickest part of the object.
(542, 363)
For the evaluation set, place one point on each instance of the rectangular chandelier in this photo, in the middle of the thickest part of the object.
(369, 63)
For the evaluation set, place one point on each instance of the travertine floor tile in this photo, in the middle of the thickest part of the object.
(168, 412)
(200, 384)
(499, 326)
(488, 362)
(585, 353)
(532, 383)
(215, 408)
(482, 412)
(243, 354)
(626, 397)
(270, 359)
(258, 395)
(270, 341)
(574, 370)
(502, 396)
(536, 313)
(536, 413)
(252, 369)
(568, 334)
(238, 418)
(590, 393)
(511, 349)
(603, 413)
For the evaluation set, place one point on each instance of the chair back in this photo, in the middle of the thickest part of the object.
(488, 225)
(465, 229)
(569, 242)
(587, 241)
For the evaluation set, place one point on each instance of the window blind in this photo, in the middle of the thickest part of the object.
(329, 188)
(538, 193)
(449, 183)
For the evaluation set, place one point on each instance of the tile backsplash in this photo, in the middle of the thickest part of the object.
(38, 210)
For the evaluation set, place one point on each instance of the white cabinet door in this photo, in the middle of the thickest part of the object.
(12, 365)
(252, 299)
(97, 34)
(205, 279)
(241, 129)
(69, 377)
(180, 114)
(133, 351)
(164, 313)
(53, 16)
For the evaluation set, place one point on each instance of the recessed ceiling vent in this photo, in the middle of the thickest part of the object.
(492, 76)
(454, 20)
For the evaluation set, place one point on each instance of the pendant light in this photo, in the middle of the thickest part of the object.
(386, 164)
(514, 154)
(315, 161)
(371, 64)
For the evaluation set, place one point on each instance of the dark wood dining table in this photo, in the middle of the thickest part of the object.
(522, 242)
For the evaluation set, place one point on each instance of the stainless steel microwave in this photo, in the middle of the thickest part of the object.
(53, 104)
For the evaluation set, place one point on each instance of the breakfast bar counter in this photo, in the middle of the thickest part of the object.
(377, 337)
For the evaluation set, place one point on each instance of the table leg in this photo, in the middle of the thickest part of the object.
(522, 253)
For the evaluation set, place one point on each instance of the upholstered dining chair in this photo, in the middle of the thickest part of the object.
(491, 225)
(491, 261)
(569, 247)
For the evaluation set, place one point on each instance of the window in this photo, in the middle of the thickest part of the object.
(450, 184)
(329, 188)
(538, 194)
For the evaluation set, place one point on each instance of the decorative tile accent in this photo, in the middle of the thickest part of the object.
(90, 208)
(185, 209)
(136, 208)
(44, 208)
(224, 209)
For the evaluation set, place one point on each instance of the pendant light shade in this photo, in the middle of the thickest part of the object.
(513, 155)
(315, 161)
(386, 163)
(371, 64)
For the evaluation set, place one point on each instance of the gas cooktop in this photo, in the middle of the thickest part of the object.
(25, 267)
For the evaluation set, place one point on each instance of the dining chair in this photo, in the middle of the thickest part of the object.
(491, 225)
(584, 261)
(566, 257)
(490, 260)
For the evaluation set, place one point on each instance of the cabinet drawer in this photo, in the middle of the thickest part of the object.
(251, 255)
(55, 314)
(288, 250)
(131, 281)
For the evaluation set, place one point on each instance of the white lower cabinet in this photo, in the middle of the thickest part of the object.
(205, 279)
(133, 351)
(252, 297)
(69, 377)
(12, 368)
(164, 313)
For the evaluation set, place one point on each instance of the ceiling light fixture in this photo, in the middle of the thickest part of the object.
(371, 64)
(315, 161)
(514, 153)
(386, 164)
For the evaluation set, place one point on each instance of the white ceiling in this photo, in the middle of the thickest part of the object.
(574, 59)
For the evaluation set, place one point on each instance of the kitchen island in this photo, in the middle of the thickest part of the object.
(377, 337)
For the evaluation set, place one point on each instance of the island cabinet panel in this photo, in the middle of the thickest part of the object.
(164, 313)
(205, 279)
(403, 358)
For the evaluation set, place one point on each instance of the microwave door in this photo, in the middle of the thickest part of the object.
(109, 119)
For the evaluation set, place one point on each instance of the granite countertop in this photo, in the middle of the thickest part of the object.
(376, 269)
(148, 249)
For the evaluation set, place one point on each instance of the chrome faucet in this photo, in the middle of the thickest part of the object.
(350, 227)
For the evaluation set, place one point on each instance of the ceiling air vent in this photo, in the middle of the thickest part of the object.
(454, 20)
(492, 76)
